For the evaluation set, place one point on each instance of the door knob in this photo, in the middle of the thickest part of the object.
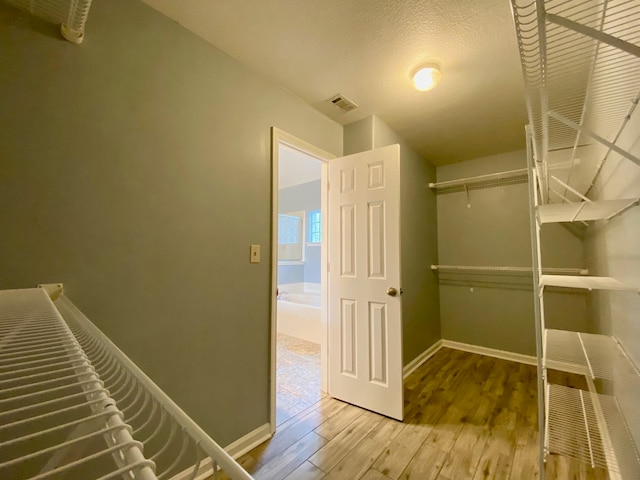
(392, 292)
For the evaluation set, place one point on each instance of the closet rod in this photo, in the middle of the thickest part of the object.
(520, 173)
(557, 271)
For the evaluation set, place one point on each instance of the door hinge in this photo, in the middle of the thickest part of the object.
(328, 186)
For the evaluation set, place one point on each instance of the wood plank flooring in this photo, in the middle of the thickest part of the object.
(467, 416)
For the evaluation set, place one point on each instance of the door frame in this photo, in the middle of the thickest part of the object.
(281, 137)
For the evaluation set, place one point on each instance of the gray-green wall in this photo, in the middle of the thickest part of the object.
(418, 236)
(358, 136)
(136, 169)
(496, 311)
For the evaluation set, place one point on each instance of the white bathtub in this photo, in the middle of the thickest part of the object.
(299, 314)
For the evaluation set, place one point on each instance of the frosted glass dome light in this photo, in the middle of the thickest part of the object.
(427, 77)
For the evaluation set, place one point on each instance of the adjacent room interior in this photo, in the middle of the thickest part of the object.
(349, 239)
(298, 318)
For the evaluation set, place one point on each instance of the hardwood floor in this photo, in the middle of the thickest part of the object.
(467, 416)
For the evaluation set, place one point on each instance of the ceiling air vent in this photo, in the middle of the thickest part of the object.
(343, 103)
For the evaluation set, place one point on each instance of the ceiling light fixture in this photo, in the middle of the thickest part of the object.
(427, 77)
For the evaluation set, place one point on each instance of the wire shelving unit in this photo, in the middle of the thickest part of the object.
(73, 405)
(581, 68)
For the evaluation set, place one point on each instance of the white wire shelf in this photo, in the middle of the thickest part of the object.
(56, 416)
(491, 178)
(584, 211)
(586, 282)
(72, 403)
(596, 356)
(590, 427)
(507, 269)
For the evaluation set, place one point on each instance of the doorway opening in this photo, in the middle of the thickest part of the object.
(299, 333)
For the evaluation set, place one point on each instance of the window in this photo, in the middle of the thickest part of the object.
(288, 229)
(291, 236)
(315, 226)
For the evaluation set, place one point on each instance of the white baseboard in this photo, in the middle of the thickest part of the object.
(413, 365)
(249, 441)
(235, 449)
(491, 352)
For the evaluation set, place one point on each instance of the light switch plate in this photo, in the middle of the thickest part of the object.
(255, 254)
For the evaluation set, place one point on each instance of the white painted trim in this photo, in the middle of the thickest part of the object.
(280, 137)
(324, 278)
(414, 364)
(491, 352)
(249, 441)
(236, 450)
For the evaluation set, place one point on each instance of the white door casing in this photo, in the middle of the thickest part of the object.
(365, 321)
(278, 138)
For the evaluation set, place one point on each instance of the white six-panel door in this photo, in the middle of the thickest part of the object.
(365, 318)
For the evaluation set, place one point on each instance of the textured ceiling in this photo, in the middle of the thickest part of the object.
(366, 50)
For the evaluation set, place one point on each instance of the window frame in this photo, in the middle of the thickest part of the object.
(311, 223)
(288, 252)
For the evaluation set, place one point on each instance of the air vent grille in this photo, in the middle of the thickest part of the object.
(343, 103)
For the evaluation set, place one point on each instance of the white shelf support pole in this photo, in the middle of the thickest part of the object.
(587, 131)
(627, 118)
(586, 427)
(545, 438)
(572, 190)
(578, 211)
(624, 209)
(538, 304)
(560, 195)
(595, 34)
(586, 356)
(542, 42)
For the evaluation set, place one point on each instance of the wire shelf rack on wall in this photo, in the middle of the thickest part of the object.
(72, 403)
(581, 67)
